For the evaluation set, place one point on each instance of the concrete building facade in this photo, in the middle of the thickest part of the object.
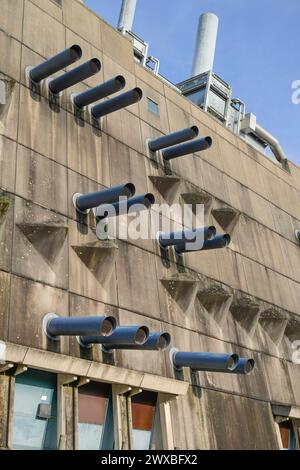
(243, 299)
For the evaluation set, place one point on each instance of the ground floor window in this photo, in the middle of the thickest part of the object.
(95, 417)
(35, 411)
(287, 434)
(143, 408)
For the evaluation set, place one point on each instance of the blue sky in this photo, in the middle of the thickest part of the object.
(258, 51)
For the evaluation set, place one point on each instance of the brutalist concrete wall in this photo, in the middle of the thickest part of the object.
(243, 299)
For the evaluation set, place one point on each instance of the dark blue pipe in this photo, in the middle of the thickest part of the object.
(188, 236)
(56, 63)
(77, 326)
(186, 149)
(99, 92)
(220, 241)
(155, 342)
(204, 361)
(114, 104)
(122, 335)
(120, 208)
(244, 366)
(68, 79)
(106, 196)
(173, 139)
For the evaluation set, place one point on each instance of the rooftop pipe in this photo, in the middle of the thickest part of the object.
(127, 15)
(205, 44)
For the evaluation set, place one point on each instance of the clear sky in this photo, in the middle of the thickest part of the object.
(258, 51)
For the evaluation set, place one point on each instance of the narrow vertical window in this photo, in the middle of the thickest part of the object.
(143, 410)
(95, 421)
(287, 434)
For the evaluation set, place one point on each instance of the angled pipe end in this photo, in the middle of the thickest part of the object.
(249, 366)
(121, 81)
(195, 130)
(129, 190)
(139, 93)
(108, 326)
(227, 239)
(95, 65)
(211, 232)
(141, 335)
(149, 200)
(208, 141)
(75, 52)
(232, 362)
(163, 341)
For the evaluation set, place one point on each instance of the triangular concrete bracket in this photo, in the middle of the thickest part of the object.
(167, 186)
(99, 258)
(274, 322)
(216, 301)
(227, 218)
(4, 206)
(246, 311)
(292, 330)
(183, 289)
(197, 197)
(47, 238)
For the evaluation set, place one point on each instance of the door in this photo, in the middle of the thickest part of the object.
(35, 411)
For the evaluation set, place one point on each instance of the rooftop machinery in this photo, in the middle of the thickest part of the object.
(205, 88)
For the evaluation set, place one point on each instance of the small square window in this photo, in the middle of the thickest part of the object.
(153, 107)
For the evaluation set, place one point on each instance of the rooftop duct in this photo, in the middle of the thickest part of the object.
(127, 15)
(205, 44)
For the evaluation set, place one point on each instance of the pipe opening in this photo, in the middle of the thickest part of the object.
(108, 326)
(149, 200)
(208, 141)
(95, 65)
(121, 81)
(249, 366)
(75, 52)
(164, 341)
(211, 232)
(227, 239)
(232, 362)
(129, 190)
(141, 335)
(195, 130)
(138, 92)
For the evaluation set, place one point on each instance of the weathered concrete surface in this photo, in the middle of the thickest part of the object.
(243, 299)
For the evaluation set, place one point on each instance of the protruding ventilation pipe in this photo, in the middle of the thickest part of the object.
(55, 326)
(155, 342)
(204, 361)
(127, 15)
(272, 141)
(187, 236)
(220, 241)
(187, 148)
(84, 202)
(120, 208)
(67, 80)
(205, 44)
(114, 104)
(99, 92)
(173, 139)
(56, 63)
(122, 335)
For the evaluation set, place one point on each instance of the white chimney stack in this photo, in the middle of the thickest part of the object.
(205, 44)
(127, 15)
